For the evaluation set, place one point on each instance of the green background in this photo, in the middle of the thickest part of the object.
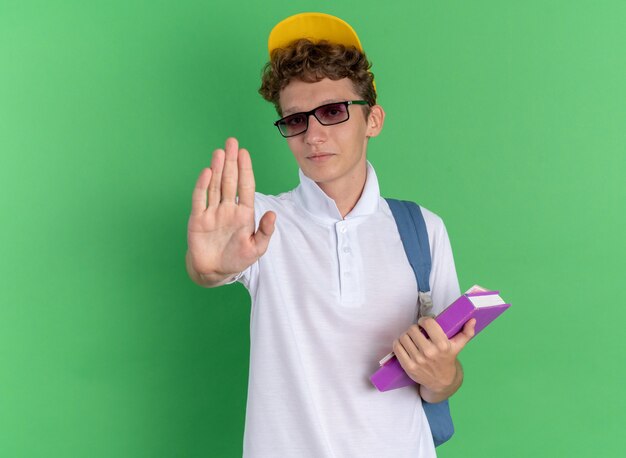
(508, 119)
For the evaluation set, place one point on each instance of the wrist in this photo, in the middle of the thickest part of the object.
(205, 279)
(443, 391)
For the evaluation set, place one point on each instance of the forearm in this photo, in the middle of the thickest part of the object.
(432, 395)
(205, 280)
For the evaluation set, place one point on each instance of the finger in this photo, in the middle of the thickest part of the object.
(410, 347)
(229, 175)
(422, 342)
(199, 196)
(403, 356)
(399, 351)
(215, 186)
(460, 340)
(246, 185)
(264, 232)
(434, 331)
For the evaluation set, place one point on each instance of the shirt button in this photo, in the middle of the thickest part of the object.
(343, 229)
(346, 250)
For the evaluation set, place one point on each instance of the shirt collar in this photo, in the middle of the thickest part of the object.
(316, 202)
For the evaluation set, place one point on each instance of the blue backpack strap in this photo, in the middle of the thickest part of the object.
(414, 236)
(412, 229)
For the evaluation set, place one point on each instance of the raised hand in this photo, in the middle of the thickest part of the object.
(221, 233)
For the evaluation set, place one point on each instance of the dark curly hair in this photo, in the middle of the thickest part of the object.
(312, 62)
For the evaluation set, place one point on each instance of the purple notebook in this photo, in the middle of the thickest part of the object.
(485, 306)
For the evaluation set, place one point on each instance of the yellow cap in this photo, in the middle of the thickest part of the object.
(315, 27)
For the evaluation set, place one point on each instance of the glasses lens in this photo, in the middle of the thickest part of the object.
(293, 125)
(332, 114)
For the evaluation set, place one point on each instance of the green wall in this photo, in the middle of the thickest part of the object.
(506, 118)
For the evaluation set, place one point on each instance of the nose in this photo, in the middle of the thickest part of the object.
(316, 132)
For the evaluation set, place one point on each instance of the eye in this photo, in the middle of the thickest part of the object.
(333, 112)
(295, 120)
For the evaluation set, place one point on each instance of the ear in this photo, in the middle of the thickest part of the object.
(375, 121)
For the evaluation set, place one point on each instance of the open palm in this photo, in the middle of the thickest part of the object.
(221, 233)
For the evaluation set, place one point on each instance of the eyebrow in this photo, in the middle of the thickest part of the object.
(294, 110)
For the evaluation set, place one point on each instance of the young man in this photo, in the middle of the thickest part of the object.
(331, 287)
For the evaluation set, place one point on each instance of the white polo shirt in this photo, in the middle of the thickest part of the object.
(329, 297)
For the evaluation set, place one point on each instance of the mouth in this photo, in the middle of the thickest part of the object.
(320, 157)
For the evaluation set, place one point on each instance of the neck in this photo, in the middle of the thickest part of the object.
(347, 192)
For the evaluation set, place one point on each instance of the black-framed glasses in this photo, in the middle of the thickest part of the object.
(327, 115)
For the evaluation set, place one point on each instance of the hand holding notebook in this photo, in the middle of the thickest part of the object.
(478, 303)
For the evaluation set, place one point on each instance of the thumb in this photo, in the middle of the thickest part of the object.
(466, 334)
(264, 232)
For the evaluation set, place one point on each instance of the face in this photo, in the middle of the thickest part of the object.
(332, 156)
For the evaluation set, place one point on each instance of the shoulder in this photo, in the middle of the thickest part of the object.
(434, 223)
(438, 239)
(270, 202)
(436, 228)
(282, 204)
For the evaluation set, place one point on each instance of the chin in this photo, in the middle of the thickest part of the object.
(319, 176)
